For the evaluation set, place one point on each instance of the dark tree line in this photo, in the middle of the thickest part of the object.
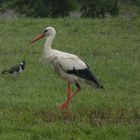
(61, 8)
(99, 8)
(131, 2)
(41, 8)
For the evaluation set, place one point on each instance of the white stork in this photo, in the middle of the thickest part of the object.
(68, 66)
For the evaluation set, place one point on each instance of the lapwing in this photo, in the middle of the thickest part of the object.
(15, 70)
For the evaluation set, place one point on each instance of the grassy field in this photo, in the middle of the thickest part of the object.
(28, 105)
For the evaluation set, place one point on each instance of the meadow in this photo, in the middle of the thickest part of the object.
(29, 104)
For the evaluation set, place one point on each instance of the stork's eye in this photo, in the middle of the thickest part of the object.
(46, 30)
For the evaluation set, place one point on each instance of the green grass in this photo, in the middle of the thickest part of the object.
(28, 105)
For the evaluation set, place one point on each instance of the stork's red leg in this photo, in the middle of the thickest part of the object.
(66, 103)
(78, 89)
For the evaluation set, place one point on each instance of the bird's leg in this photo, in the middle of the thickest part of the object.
(15, 76)
(78, 89)
(66, 103)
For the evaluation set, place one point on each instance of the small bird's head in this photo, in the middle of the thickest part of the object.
(48, 31)
(22, 62)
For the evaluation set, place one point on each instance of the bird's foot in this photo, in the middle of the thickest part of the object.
(64, 106)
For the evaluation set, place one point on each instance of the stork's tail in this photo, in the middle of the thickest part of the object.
(92, 80)
(88, 77)
(92, 83)
(5, 71)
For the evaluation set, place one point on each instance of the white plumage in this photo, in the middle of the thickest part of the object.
(68, 66)
(62, 62)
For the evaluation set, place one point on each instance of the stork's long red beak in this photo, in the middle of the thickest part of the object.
(38, 37)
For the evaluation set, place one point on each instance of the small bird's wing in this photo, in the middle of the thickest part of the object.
(14, 69)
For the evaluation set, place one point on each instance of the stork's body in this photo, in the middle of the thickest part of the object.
(68, 66)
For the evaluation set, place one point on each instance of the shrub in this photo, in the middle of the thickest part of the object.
(41, 8)
(99, 8)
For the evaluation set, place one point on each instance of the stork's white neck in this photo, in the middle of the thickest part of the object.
(47, 46)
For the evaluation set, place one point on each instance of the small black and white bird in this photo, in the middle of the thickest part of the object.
(15, 70)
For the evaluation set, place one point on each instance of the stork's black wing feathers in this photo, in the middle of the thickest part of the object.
(85, 74)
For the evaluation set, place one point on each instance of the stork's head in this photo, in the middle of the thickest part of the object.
(48, 32)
